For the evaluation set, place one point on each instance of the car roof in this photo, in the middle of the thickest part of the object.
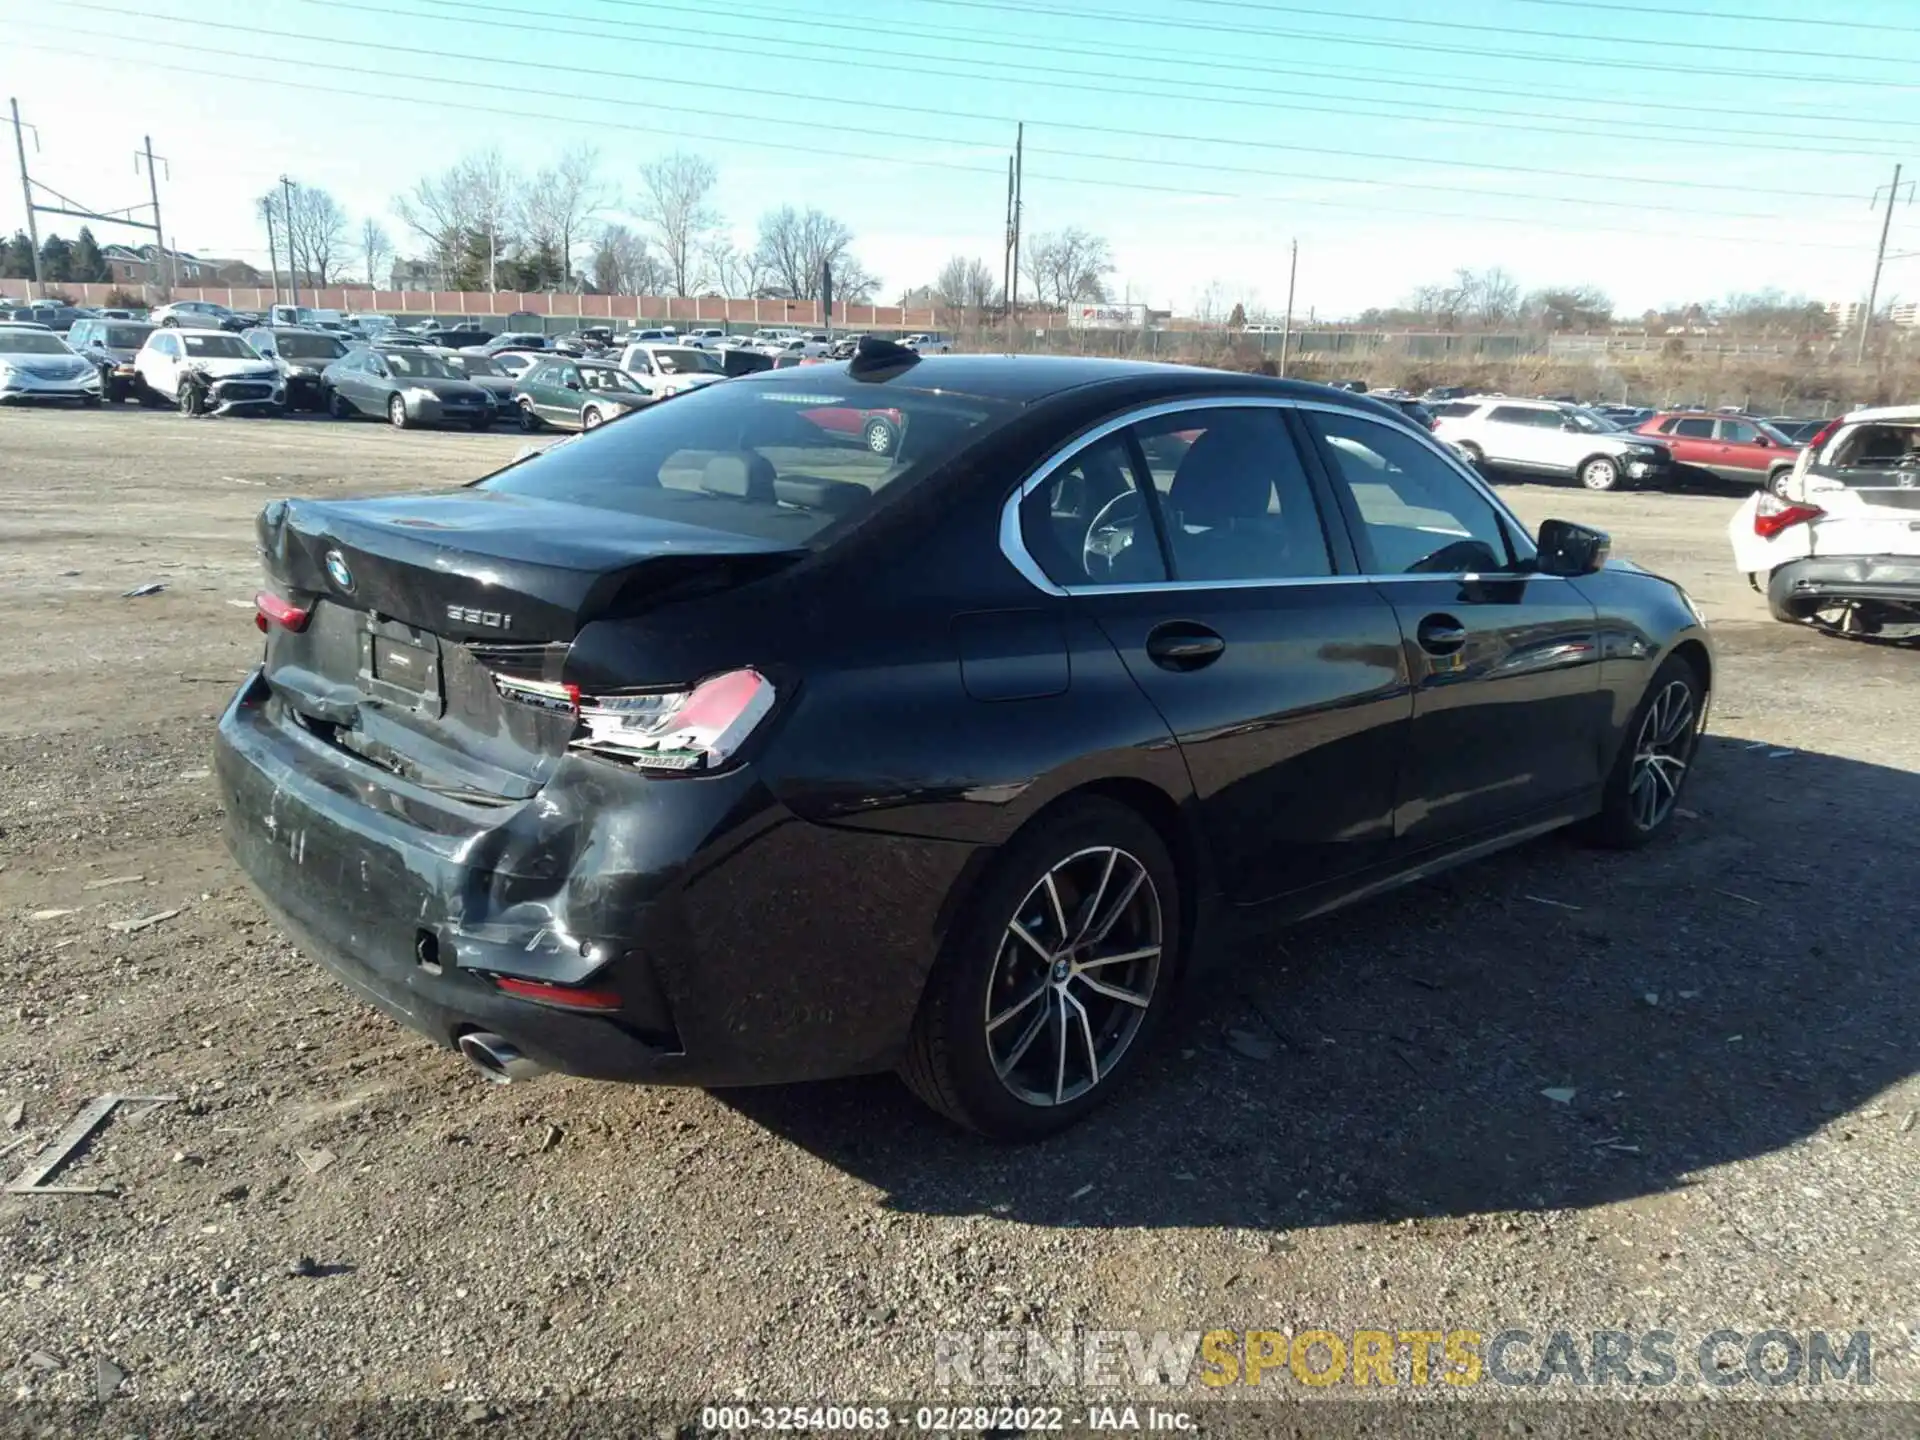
(1883, 412)
(193, 330)
(1026, 379)
(25, 325)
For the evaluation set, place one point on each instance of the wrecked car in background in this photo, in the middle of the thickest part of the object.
(208, 371)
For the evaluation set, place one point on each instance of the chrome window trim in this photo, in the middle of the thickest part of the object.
(1013, 545)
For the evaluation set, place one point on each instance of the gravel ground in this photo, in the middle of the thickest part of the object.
(1347, 1130)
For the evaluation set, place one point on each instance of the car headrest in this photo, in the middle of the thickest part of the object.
(1226, 475)
(743, 475)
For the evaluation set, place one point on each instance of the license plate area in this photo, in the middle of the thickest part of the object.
(400, 667)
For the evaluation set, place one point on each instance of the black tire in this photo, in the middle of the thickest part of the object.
(186, 402)
(338, 406)
(529, 421)
(170, 323)
(591, 418)
(397, 413)
(90, 402)
(1777, 481)
(879, 436)
(1622, 823)
(950, 1063)
(1600, 473)
(1473, 454)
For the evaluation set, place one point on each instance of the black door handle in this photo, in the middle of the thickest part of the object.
(1441, 634)
(1183, 645)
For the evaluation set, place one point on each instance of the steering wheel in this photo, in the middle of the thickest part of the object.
(1110, 534)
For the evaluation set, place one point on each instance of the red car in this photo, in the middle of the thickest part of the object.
(1733, 447)
(879, 430)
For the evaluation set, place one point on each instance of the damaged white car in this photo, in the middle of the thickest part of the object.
(1839, 547)
(207, 372)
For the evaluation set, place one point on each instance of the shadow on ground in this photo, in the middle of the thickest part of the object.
(1725, 992)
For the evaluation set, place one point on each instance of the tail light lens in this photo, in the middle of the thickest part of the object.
(1823, 435)
(564, 997)
(684, 730)
(1774, 515)
(270, 609)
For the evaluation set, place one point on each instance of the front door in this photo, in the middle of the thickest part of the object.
(1195, 541)
(1509, 719)
(1527, 436)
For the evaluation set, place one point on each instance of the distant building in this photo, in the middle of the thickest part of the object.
(1845, 313)
(150, 265)
(412, 275)
(1906, 313)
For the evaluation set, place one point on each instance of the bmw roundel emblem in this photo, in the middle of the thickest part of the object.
(337, 570)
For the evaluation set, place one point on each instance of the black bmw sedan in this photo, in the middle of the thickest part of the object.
(715, 748)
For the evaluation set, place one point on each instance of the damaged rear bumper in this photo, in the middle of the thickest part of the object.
(746, 946)
(1804, 586)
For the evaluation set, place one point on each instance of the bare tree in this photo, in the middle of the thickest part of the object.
(1068, 265)
(1568, 307)
(738, 274)
(319, 230)
(622, 264)
(966, 285)
(467, 207)
(1497, 298)
(555, 205)
(795, 244)
(376, 248)
(675, 193)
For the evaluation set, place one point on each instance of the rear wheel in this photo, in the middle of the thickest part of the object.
(1600, 473)
(1777, 481)
(1651, 772)
(397, 412)
(1474, 455)
(879, 435)
(1052, 984)
(591, 418)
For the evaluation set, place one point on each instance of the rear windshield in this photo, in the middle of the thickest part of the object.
(417, 365)
(471, 365)
(1877, 447)
(775, 462)
(311, 347)
(682, 362)
(128, 337)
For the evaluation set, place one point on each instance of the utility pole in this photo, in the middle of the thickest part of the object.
(1286, 328)
(273, 252)
(1006, 247)
(159, 235)
(293, 272)
(26, 188)
(1019, 182)
(1879, 259)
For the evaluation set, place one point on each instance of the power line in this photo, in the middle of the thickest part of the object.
(1160, 56)
(1211, 90)
(600, 122)
(1798, 194)
(1318, 13)
(1746, 18)
(1110, 17)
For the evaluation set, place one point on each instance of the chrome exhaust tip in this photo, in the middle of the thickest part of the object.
(496, 1058)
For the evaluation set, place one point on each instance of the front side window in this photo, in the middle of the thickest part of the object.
(1418, 515)
(1234, 495)
(1738, 432)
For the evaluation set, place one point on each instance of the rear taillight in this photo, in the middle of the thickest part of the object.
(1773, 515)
(566, 997)
(683, 730)
(270, 609)
(1824, 434)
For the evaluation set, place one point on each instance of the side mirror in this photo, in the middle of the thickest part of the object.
(572, 382)
(1762, 441)
(1568, 424)
(1571, 550)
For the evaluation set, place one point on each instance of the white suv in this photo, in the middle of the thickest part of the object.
(1545, 437)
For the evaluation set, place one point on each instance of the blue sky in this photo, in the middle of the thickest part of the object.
(1663, 156)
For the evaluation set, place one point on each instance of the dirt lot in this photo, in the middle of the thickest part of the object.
(1735, 1012)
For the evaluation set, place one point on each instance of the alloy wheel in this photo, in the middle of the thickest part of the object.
(1600, 475)
(879, 437)
(591, 420)
(1074, 976)
(1661, 754)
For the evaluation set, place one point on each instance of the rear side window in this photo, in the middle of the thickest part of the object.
(777, 462)
(1525, 415)
(1418, 515)
(1234, 496)
(1088, 523)
(1453, 409)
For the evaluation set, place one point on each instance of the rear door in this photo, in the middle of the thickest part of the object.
(1194, 538)
(1508, 717)
(1522, 435)
(1692, 441)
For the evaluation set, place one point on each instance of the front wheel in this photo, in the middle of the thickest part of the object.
(1647, 779)
(1053, 982)
(529, 421)
(338, 406)
(1600, 473)
(880, 437)
(397, 412)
